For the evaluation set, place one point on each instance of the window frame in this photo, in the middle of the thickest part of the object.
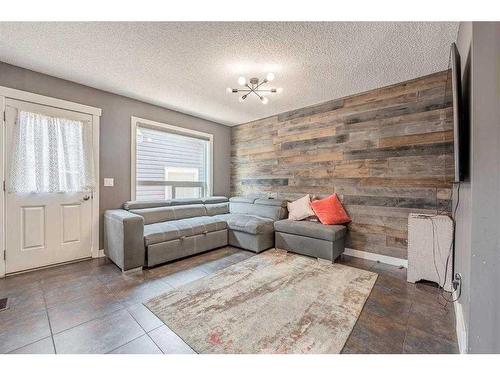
(135, 121)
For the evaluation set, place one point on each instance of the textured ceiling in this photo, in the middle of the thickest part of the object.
(186, 66)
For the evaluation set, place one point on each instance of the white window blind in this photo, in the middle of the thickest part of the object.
(170, 165)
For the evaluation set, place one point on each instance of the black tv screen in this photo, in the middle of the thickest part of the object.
(458, 133)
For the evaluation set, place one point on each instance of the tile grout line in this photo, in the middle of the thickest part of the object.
(48, 319)
(147, 333)
(107, 290)
(406, 327)
(128, 342)
(91, 320)
(409, 311)
(24, 346)
(175, 333)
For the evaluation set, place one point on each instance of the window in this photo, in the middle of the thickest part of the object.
(170, 162)
(50, 155)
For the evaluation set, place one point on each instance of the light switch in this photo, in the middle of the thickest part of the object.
(109, 181)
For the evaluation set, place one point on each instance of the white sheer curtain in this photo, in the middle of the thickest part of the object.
(50, 155)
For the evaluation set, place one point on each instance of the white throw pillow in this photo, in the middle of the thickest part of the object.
(300, 209)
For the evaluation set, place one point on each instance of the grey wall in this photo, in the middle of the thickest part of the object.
(484, 311)
(478, 223)
(115, 129)
(464, 216)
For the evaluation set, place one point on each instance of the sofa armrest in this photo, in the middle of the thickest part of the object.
(124, 239)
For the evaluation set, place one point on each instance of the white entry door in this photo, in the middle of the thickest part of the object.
(45, 228)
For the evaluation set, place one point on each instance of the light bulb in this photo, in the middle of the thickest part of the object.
(270, 77)
(264, 100)
(229, 90)
(242, 80)
(279, 90)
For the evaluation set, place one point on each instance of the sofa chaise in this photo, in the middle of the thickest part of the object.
(149, 233)
(310, 238)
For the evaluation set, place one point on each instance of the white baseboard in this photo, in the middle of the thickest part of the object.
(376, 257)
(98, 253)
(460, 326)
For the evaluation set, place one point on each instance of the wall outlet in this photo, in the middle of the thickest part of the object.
(457, 280)
(109, 181)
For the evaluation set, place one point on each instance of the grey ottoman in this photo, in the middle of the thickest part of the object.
(310, 238)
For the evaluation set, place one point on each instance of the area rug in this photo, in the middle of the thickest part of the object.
(274, 302)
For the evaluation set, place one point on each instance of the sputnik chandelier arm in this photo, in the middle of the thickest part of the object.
(253, 86)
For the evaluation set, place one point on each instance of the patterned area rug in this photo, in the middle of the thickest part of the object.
(274, 302)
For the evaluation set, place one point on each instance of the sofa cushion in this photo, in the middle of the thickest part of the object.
(185, 201)
(271, 202)
(311, 229)
(269, 208)
(159, 214)
(215, 199)
(135, 205)
(330, 211)
(175, 229)
(217, 208)
(300, 209)
(248, 199)
(248, 223)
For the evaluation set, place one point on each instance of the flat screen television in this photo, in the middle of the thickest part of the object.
(459, 136)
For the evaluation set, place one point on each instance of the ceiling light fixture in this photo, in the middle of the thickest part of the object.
(254, 86)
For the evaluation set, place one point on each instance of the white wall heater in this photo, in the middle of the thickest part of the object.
(430, 247)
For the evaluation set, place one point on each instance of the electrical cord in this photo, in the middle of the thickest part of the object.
(452, 246)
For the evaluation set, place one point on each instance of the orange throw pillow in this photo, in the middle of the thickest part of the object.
(330, 211)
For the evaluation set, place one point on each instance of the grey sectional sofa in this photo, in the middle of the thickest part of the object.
(251, 222)
(148, 233)
(310, 238)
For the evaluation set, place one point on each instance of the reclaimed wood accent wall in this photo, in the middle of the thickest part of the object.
(386, 153)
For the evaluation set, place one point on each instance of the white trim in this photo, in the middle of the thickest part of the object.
(49, 266)
(177, 129)
(460, 326)
(49, 101)
(376, 257)
(9, 93)
(133, 149)
(96, 126)
(98, 254)
(132, 271)
(2, 195)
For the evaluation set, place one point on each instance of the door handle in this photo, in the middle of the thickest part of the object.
(86, 198)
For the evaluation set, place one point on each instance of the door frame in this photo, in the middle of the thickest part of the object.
(10, 93)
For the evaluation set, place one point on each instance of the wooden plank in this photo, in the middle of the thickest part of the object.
(436, 182)
(400, 151)
(309, 133)
(310, 143)
(265, 181)
(301, 159)
(415, 139)
(383, 201)
(308, 111)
